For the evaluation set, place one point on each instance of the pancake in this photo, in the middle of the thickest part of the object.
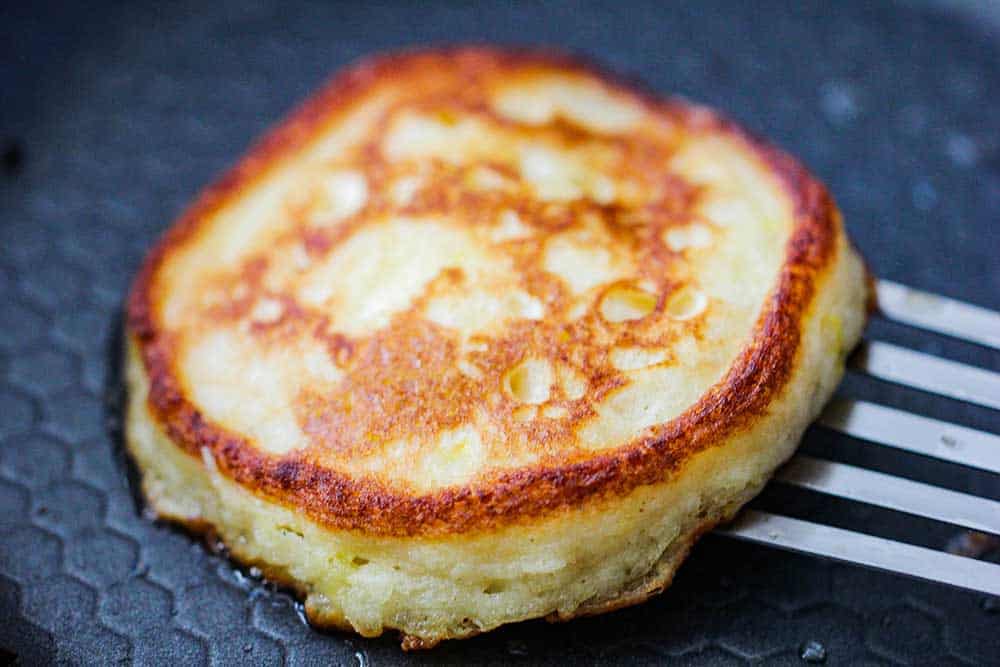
(477, 336)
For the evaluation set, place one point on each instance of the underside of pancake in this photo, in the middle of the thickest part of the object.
(480, 336)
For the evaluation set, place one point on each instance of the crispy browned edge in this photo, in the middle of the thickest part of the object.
(338, 501)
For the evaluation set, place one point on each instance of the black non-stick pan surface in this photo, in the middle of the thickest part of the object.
(113, 116)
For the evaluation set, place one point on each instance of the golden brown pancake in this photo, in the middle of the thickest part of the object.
(476, 336)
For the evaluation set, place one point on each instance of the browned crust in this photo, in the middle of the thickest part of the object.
(338, 501)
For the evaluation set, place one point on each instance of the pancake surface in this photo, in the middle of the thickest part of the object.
(479, 336)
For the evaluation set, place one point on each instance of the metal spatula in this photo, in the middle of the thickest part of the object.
(885, 426)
